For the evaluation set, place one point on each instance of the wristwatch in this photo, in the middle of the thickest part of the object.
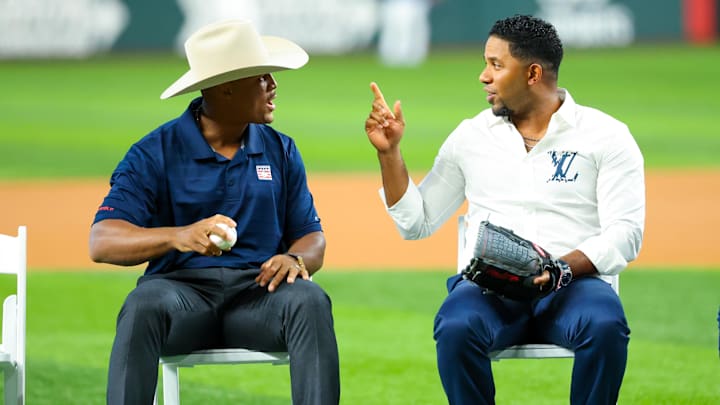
(566, 274)
(299, 260)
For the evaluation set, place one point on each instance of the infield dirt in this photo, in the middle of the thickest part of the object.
(682, 217)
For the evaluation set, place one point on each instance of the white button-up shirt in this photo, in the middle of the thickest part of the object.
(581, 187)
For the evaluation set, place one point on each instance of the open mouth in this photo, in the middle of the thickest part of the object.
(490, 95)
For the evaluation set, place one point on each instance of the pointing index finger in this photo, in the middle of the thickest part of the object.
(379, 96)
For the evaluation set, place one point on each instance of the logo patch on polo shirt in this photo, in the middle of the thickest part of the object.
(263, 172)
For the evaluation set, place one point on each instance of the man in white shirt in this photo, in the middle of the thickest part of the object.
(568, 177)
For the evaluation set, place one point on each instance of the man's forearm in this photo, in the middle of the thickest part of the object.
(394, 175)
(580, 264)
(312, 249)
(122, 243)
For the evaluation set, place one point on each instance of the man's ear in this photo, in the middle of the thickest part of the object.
(535, 72)
(222, 89)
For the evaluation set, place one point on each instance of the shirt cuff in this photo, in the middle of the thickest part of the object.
(405, 213)
(607, 260)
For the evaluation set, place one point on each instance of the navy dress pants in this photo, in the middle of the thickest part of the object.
(586, 317)
(194, 309)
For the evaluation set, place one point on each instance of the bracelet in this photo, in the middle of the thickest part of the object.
(299, 260)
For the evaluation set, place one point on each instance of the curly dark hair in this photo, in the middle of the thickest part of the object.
(531, 39)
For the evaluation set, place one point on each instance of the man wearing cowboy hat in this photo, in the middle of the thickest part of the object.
(219, 163)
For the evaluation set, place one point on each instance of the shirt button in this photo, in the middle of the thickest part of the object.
(231, 183)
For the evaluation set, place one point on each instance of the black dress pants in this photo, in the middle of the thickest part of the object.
(196, 309)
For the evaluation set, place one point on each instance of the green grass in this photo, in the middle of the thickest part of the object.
(77, 118)
(384, 328)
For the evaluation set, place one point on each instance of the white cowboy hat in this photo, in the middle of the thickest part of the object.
(231, 50)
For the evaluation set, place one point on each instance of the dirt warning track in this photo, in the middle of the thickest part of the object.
(681, 226)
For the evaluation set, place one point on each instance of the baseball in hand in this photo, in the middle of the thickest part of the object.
(224, 244)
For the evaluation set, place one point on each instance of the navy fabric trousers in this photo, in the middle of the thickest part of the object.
(194, 309)
(585, 316)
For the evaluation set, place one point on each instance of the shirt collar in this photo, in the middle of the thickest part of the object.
(254, 143)
(199, 147)
(566, 112)
(191, 135)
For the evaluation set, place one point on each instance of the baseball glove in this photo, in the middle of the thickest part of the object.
(507, 264)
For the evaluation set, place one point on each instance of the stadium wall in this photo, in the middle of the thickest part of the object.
(78, 28)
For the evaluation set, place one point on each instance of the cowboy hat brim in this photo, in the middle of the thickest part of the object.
(282, 55)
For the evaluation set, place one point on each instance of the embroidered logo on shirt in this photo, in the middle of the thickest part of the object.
(562, 162)
(263, 172)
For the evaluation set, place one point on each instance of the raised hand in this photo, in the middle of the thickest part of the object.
(384, 127)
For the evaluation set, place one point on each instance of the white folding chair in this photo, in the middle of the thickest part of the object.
(526, 351)
(171, 366)
(13, 260)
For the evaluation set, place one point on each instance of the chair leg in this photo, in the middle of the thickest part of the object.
(171, 384)
(11, 387)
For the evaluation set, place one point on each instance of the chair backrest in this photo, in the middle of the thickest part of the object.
(614, 281)
(13, 260)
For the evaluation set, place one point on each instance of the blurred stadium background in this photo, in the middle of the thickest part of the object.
(81, 82)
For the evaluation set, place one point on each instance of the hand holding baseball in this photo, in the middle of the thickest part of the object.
(230, 234)
(207, 236)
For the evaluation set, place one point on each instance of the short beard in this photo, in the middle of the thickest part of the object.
(502, 112)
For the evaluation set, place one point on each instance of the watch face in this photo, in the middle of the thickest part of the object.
(565, 273)
(566, 278)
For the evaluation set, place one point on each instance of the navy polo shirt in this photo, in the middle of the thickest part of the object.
(172, 177)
